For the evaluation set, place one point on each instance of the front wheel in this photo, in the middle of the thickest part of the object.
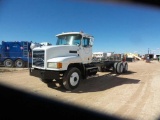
(72, 78)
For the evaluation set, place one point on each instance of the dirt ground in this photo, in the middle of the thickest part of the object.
(134, 95)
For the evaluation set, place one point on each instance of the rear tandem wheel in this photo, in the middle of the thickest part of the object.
(8, 63)
(125, 67)
(19, 63)
(119, 67)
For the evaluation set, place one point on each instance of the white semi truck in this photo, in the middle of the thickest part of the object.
(70, 61)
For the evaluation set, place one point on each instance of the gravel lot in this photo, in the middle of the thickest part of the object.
(134, 95)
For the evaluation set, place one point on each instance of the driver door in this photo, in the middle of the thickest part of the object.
(86, 50)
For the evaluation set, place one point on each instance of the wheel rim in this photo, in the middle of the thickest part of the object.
(19, 64)
(8, 63)
(74, 78)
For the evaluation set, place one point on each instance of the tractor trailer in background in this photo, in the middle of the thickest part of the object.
(70, 61)
(17, 53)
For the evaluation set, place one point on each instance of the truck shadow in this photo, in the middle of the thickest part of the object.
(99, 83)
(127, 73)
(103, 83)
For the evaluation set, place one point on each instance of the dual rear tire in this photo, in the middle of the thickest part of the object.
(19, 63)
(120, 67)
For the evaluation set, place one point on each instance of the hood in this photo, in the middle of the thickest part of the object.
(59, 50)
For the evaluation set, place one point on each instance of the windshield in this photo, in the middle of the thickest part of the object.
(71, 39)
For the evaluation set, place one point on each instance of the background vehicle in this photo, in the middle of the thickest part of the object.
(70, 61)
(17, 53)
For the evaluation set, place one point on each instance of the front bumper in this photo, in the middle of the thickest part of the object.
(44, 74)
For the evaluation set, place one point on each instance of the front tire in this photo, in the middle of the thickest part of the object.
(72, 78)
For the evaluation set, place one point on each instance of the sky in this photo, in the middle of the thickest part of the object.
(119, 28)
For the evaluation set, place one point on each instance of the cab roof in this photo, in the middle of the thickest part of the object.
(81, 33)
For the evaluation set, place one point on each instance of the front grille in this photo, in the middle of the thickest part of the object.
(38, 58)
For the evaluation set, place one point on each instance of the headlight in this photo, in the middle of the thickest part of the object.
(54, 65)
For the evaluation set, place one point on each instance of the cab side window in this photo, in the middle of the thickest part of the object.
(77, 42)
(85, 42)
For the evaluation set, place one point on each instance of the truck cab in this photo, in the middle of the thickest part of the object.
(71, 47)
(67, 62)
